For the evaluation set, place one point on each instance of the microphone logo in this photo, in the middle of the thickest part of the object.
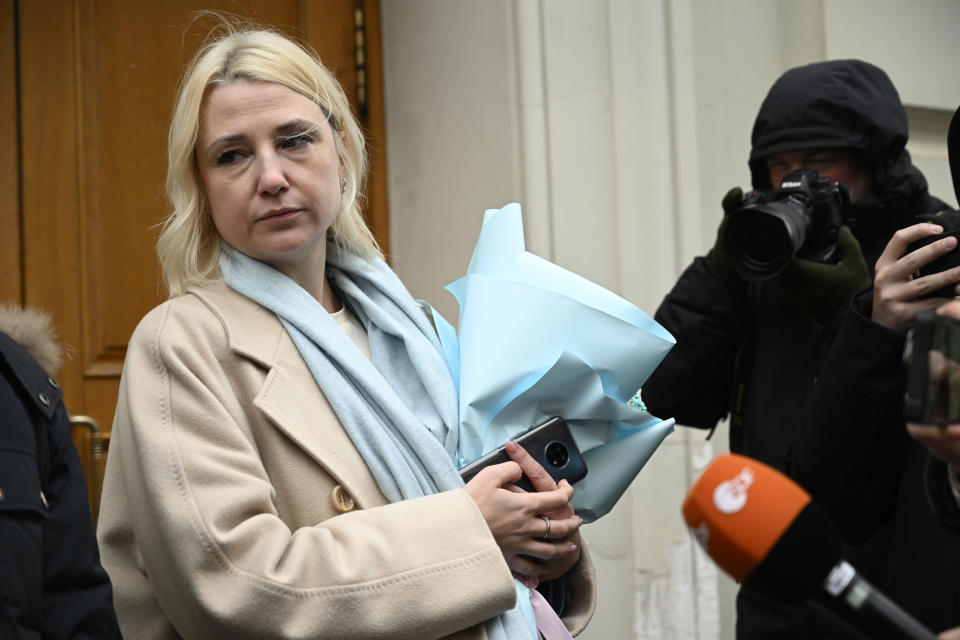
(731, 496)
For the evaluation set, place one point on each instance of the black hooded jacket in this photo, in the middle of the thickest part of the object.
(939, 493)
(818, 399)
(742, 348)
(52, 585)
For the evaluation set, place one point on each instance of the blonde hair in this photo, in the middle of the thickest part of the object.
(188, 245)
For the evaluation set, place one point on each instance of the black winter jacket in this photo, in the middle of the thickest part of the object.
(784, 376)
(853, 454)
(52, 584)
(942, 501)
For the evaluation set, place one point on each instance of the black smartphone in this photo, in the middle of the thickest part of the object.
(551, 444)
(946, 261)
(932, 357)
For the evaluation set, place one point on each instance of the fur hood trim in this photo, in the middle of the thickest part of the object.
(31, 329)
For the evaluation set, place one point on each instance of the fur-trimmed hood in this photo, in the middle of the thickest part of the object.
(31, 329)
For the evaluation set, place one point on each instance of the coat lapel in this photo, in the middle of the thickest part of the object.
(290, 397)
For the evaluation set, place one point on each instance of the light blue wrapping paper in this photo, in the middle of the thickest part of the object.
(536, 340)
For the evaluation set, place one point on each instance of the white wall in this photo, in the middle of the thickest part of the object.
(618, 125)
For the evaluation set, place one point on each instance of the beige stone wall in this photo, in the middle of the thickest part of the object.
(618, 125)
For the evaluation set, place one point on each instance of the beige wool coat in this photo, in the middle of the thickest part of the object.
(236, 506)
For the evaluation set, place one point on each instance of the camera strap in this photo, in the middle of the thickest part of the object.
(742, 368)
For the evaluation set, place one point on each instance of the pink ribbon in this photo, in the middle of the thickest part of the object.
(549, 624)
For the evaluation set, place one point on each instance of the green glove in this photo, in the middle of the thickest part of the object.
(718, 258)
(820, 289)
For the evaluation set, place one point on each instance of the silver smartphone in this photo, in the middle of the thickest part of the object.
(551, 444)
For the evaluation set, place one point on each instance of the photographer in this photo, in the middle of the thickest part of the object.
(762, 350)
(852, 452)
(942, 367)
(943, 441)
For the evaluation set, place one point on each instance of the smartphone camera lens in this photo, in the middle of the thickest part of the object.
(557, 454)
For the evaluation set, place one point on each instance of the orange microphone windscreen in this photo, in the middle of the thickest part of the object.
(738, 509)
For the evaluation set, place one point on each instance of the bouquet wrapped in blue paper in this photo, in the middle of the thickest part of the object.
(536, 341)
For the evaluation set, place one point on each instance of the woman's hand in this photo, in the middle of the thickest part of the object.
(895, 291)
(515, 519)
(559, 563)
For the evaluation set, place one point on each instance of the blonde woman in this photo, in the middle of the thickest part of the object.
(281, 461)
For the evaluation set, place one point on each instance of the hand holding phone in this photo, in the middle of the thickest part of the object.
(933, 383)
(551, 444)
(941, 263)
(904, 281)
(932, 356)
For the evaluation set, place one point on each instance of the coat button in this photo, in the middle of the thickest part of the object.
(43, 499)
(52, 383)
(342, 501)
(44, 399)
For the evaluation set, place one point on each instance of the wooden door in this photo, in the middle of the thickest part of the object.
(87, 92)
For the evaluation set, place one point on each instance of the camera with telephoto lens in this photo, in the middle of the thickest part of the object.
(800, 219)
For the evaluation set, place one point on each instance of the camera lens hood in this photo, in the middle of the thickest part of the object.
(761, 239)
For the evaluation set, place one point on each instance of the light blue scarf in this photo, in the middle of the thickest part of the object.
(400, 410)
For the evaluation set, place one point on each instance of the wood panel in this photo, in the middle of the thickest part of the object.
(48, 155)
(97, 82)
(10, 275)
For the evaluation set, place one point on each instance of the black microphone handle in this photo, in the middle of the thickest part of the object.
(854, 601)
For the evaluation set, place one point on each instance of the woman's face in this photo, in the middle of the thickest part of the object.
(269, 166)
